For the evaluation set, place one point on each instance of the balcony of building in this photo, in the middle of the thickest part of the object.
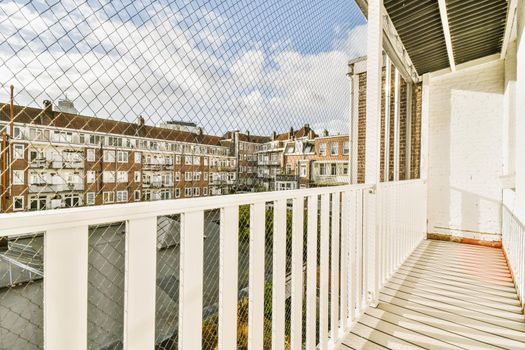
(352, 266)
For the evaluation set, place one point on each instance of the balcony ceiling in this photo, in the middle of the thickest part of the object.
(476, 30)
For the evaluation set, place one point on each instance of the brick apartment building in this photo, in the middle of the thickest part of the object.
(54, 159)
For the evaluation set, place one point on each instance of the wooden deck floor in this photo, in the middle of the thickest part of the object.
(445, 296)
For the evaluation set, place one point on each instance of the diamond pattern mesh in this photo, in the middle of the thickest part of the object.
(105, 103)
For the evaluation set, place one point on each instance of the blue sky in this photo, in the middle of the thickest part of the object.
(258, 65)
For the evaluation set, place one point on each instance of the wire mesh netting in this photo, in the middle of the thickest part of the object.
(105, 102)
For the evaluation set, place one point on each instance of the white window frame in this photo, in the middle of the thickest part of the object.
(122, 156)
(177, 192)
(322, 149)
(108, 197)
(90, 198)
(18, 151)
(17, 179)
(188, 192)
(15, 198)
(109, 156)
(122, 196)
(137, 176)
(122, 176)
(137, 157)
(90, 176)
(136, 196)
(336, 144)
(90, 155)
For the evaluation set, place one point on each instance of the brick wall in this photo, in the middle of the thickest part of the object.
(415, 132)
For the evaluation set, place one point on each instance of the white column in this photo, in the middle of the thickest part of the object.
(425, 100)
(520, 111)
(373, 128)
(141, 254)
(386, 156)
(396, 125)
(65, 288)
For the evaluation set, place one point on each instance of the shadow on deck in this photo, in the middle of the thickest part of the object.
(445, 296)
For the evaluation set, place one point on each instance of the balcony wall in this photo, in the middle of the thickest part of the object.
(465, 152)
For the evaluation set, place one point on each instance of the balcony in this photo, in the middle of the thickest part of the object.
(55, 188)
(425, 249)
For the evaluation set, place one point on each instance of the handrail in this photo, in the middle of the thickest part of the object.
(24, 222)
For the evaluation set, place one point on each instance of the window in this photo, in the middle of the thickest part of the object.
(17, 133)
(303, 170)
(177, 176)
(71, 200)
(37, 202)
(333, 169)
(35, 155)
(177, 159)
(334, 148)
(197, 176)
(90, 155)
(138, 157)
(122, 156)
(346, 147)
(122, 196)
(188, 160)
(122, 176)
(205, 161)
(187, 192)
(196, 160)
(322, 149)
(109, 156)
(90, 176)
(188, 176)
(136, 176)
(90, 198)
(108, 197)
(322, 169)
(18, 203)
(108, 176)
(18, 151)
(136, 195)
(345, 169)
(18, 177)
(205, 176)
(205, 191)
(177, 193)
(196, 191)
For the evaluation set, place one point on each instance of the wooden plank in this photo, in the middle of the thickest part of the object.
(191, 282)
(334, 268)
(296, 329)
(311, 275)
(434, 313)
(279, 274)
(352, 341)
(519, 326)
(65, 309)
(323, 279)
(408, 335)
(141, 266)
(228, 278)
(458, 294)
(383, 339)
(256, 277)
(452, 332)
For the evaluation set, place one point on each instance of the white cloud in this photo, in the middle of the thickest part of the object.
(160, 70)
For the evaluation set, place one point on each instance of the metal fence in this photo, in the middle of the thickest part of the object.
(106, 103)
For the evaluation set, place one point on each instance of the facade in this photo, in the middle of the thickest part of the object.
(52, 159)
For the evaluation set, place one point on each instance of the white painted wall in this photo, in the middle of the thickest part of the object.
(520, 112)
(465, 157)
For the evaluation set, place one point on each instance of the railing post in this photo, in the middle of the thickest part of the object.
(323, 279)
(334, 268)
(228, 278)
(311, 274)
(139, 315)
(65, 288)
(297, 274)
(256, 273)
(279, 274)
(373, 149)
(191, 282)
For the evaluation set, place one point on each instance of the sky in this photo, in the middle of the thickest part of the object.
(258, 65)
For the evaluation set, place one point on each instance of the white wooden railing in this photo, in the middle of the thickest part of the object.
(513, 239)
(365, 233)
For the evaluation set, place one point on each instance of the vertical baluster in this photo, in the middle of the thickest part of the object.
(65, 309)
(256, 272)
(361, 280)
(323, 303)
(141, 257)
(311, 275)
(345, 229)
(191, 282)
(279, 274)
(334, 299)
(352, 246)
(228, 278)
(297, 273)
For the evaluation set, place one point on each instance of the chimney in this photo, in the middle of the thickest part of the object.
(311, 134)
(290, 134)
(47, 112)
(140, 121)
(274, 136)
(325, 132)
(199, 131)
